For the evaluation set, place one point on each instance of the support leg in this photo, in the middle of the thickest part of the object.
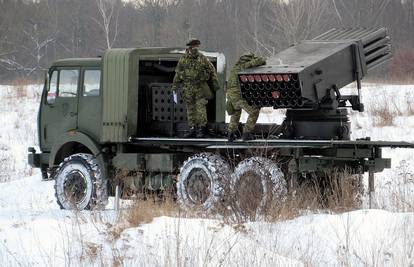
(371, 187)
(116, 200)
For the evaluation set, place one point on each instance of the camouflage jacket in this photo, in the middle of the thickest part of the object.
(196, 72)
(233, 82)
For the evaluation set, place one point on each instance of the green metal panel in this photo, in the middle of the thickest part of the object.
(218, 58)
(120, 82)
(221, 96)
(120, 89)
(73, 62)
(129, 161)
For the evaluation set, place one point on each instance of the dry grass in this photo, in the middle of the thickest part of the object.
(91, 252)
(383, 113)
(334, 192)
(384, 110)
(142, 212)
(20, 86)
(410, 107)
(337, 192)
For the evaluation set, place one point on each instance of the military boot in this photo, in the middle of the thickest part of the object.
(201, 132)
(231, 137)
(191, 133)
(248, 136)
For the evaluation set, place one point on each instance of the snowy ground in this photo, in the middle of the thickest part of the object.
(34, 232)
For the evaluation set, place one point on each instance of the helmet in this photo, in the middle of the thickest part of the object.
(193, 42)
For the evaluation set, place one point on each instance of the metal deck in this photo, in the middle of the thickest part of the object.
(222, 143)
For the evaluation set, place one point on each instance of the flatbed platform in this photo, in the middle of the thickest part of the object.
(222, 143)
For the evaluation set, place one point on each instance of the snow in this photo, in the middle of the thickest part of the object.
(34, 232)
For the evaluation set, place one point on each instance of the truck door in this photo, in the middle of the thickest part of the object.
(90, 107)
(59, 106)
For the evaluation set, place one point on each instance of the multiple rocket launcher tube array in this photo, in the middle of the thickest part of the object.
(275, 90)
(299, 76)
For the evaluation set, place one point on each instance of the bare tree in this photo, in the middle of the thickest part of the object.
(79, 28)
(295, 20)
(30, 56)
(108, 20)
(360, 13)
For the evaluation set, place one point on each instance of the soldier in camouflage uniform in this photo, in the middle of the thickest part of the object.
(235, 102)
(195, 72)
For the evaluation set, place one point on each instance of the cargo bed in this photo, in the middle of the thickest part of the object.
(222, 143)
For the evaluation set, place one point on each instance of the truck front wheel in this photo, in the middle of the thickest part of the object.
(201, 181)
(79, 184)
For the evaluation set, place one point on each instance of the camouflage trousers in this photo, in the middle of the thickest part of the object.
(239, 104)
(196, 106)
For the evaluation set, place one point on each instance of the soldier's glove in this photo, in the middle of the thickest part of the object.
(175, 97)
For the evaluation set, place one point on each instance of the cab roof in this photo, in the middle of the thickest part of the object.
(75, 62)
(144, 52)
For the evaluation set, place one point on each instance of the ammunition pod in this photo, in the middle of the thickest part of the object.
(296, 86)
(292, 95)
(278, 103)
(261, 87)
(268, 86)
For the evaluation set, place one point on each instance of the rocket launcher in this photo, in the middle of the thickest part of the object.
(309, 75)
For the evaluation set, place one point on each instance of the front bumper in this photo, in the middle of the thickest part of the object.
(37, 160)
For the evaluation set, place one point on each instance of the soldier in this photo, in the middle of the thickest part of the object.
(235, 102)
(196, 73)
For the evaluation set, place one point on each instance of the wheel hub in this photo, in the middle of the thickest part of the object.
(198, 186)
(249, 192)
(75, 187)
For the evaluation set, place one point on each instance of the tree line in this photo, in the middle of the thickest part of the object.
(34, 33)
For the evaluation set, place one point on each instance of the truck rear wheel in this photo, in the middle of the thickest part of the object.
(256, 182)
(79, 184)
(201, 181)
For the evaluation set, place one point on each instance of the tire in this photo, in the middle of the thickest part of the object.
(79, 184)
(202, 180)
(256, 182)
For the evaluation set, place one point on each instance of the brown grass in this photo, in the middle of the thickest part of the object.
(334, 192)
(337, 192)
(142, 212)
(410, 107)
(90, 252)
(382, 112)
(20, 87)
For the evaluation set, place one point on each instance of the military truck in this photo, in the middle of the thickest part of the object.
(111, 122)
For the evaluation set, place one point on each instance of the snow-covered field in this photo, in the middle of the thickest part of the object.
(34, 232)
